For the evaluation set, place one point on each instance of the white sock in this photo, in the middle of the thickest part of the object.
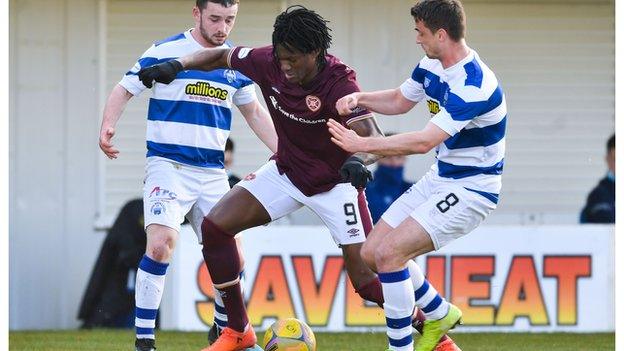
(399, 302)
(150, 282)
(427, 298)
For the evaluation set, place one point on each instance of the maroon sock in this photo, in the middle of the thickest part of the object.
(371, 291)
(223, 263)
(234, 307)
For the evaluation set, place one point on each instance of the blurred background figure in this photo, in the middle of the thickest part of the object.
(387, 184)
(600, 205)
(108, 300)
(228, 160)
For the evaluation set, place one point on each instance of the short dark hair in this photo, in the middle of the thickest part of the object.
(229, 145)
(611, 143)
(302, 30)
(201, 4)
(442, 14)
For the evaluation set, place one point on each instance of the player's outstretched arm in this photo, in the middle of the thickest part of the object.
(387, 102)
(366, 127)
(419, 142)
(115, 104)
(354, 169)
(206, 59)
(260, 122)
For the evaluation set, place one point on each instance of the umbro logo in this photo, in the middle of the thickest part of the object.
(353, 232)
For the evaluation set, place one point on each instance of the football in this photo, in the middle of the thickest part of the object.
(289, 335)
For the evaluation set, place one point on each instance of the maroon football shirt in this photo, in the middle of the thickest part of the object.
(305, 152)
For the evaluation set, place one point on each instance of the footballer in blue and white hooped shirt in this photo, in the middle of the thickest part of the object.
(466, 101)
(460, 190)
(188, 123)
(189, 120)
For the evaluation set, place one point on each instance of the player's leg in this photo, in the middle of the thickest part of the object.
(236, 211)
(373, 240)
(252, 202)
(409, 240)
(214, 186)
(450, 212)
(220, 316)
(166, 198)
(345, 212)
(392, 218)
(150, 282)
(391, 258)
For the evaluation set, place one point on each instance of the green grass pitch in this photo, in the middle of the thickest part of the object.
(113, 340)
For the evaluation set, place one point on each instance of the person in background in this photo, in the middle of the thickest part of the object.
(228, 160)
(387, 184)
(108, 301)
(600, 205)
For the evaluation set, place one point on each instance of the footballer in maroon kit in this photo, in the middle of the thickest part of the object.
(300, 83)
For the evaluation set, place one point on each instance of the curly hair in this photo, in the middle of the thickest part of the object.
(302, 30)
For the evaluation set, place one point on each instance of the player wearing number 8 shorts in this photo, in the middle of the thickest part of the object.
(467, 129)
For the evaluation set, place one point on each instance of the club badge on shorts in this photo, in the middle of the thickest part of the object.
(158, 208)
(313, 102)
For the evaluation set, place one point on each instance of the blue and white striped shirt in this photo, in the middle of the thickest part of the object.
(189, 120)
(465, 101)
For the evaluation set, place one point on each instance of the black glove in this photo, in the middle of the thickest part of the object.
(162, 73)
(355, 172)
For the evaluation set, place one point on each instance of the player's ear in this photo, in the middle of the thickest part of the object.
(441, 34)
(197, 15)
(316, 52)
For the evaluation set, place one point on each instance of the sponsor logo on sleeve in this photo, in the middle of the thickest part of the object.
(434, 107)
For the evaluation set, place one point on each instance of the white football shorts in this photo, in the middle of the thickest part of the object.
(173, 190)
(338, 208)
(445, 209)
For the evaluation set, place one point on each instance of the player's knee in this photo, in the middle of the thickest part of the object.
(385, 257)
(368, 255)
(161, 241)
(213, 233)
(160, 250)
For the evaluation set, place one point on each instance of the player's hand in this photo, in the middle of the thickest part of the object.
(355, 172)
(346, 104)
(105, 143)
(347, 139)
(162, 73)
